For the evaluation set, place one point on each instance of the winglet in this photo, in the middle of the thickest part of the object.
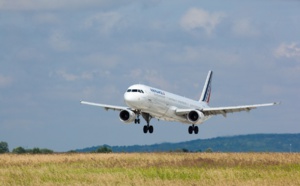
(205, 96)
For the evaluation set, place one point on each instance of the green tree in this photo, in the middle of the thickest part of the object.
(19, 150)
(181, 150)
(29, 151)
(46, 151)
(208, 150)
(185, 150)
(103, 149)
(72, 151)
(3, 147)
(36, 150)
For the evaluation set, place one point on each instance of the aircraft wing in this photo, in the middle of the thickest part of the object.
(225, 110)
(106, 107)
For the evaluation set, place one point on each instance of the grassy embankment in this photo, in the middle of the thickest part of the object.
(151, 168)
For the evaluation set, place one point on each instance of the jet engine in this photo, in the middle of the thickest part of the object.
(127, 116)
(194, 116)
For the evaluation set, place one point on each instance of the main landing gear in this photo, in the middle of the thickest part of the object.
(194, 129)
(147, 127)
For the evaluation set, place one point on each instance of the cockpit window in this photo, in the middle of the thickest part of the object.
(135, 90)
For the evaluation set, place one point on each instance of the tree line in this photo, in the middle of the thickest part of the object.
(20, 150)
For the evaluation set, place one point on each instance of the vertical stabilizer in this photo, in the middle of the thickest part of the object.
(205, 96)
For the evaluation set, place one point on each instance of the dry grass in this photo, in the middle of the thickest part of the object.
(151, 168)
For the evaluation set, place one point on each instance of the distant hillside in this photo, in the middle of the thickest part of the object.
(241, 143)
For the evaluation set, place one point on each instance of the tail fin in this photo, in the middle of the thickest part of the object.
(205, 96)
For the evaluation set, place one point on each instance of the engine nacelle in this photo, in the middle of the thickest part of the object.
(127, 116)
(194, 116)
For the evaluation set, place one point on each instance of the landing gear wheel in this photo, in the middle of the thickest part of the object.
(145, 129)
(150, 129)
(196, 129)
(191, 130)
(137, 121)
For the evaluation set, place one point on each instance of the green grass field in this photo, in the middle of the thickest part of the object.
(151, 169)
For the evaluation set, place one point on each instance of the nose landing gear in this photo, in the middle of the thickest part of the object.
(137, 120)
(194, 129)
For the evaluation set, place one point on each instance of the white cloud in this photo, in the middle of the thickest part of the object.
(200, 19)
(196, 54)
(47, 18)
(102, 61)
(5, 81)
(72, 77)
(291, 73)
(136, 73)
(105, 22)
(30, 54)
(145, 48)
(155, 78)
(272, 90)
(59, 42)
(50, 4)
(245, 28)
(29, 4)
(151, 77)
(288, 50)
(67, 76)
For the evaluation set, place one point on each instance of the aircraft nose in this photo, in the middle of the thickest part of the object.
(130, 98)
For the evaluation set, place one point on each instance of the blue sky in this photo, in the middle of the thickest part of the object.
(55, 53)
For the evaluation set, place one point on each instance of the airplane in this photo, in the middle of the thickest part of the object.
(152, 102)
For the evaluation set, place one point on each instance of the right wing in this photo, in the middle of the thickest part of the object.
(225, 110)
(106, 107)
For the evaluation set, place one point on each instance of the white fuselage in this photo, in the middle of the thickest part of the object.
(161, 104)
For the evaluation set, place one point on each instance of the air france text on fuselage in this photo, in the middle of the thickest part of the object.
(157, 91)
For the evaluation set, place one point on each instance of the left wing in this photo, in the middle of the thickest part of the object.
(225, 110)
(106, 107)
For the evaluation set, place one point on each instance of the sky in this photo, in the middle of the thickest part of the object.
(55, 53)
